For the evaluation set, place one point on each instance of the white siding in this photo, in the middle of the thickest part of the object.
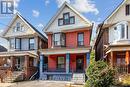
(120, 15)
(11, 33)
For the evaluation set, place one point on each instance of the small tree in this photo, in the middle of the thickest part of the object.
(100, 75)
(92, 57)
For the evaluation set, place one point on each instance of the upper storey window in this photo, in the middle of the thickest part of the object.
(122, 31)
(59, 39)
(128, 9)
(66, 20)
(18, 27)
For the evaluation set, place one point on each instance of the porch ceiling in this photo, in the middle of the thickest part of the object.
(64, 50)
(18, 53)
(117, 48)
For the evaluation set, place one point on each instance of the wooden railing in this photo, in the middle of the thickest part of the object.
(122, 68)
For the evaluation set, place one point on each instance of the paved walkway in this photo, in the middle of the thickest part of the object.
(36, 84)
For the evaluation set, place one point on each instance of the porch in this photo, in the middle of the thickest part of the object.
(119, 57)
(23, 64)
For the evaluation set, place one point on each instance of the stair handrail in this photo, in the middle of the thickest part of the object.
(33, 75)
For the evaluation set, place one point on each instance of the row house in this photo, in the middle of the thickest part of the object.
(113, 38)
(21, 59)
(68, 45)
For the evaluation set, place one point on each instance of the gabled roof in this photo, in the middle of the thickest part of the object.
(59, 11)
(28, 24)
(115, 10)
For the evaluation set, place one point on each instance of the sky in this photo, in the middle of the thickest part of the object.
(39, 12)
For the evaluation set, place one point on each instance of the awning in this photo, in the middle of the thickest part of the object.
(53, 51)
(18, 53)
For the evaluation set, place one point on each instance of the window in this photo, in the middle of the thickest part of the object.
(59, 39)
(72, 20)
(66, 18)
(18, 43)
(22, 28)
(127, 32)
(12, 43)
(18, 26)
(61, 63)
(122, 31)
(31, 43)
(80, 39)
(60, 22)
(127, 10)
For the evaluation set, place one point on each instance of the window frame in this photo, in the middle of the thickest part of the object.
(73, 20)
(78, 38)
(18, 27)
(60, 41)
(123, 30)
(61, 63)
(12, 43)
(67, 13)
(127, 9)
(59, 21)
(30, 43)
(19, 48)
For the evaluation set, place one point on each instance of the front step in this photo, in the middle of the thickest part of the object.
(78, 78)
(16, 76)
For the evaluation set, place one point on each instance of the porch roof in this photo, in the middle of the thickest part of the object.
(18, 53)
(119, 47)
(53, 51)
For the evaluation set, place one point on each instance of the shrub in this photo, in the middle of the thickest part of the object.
(100, 75)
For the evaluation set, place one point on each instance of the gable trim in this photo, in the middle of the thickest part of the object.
(27, 23)
(115, 10)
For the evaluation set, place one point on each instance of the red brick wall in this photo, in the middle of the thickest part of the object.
(71, 38)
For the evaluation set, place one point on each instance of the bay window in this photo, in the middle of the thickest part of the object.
(122, 31)
(59, 39)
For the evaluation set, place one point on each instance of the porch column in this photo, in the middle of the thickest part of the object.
(112, 59)
(12, 62)
(26, 65)
(41, 64)
(67, 63)
(87, 59)
(127, 57)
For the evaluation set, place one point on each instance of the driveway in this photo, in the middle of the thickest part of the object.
(36, 84)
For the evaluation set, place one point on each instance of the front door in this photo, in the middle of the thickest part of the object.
(79, 64)
(19, 63)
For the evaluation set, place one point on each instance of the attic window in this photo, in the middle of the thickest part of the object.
(66, 20)
(18, 27)
(128, 9)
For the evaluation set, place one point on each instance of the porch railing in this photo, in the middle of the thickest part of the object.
(54, 70)
(122, 68)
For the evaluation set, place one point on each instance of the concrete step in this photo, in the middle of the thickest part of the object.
(78, 78)
(15, 76)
